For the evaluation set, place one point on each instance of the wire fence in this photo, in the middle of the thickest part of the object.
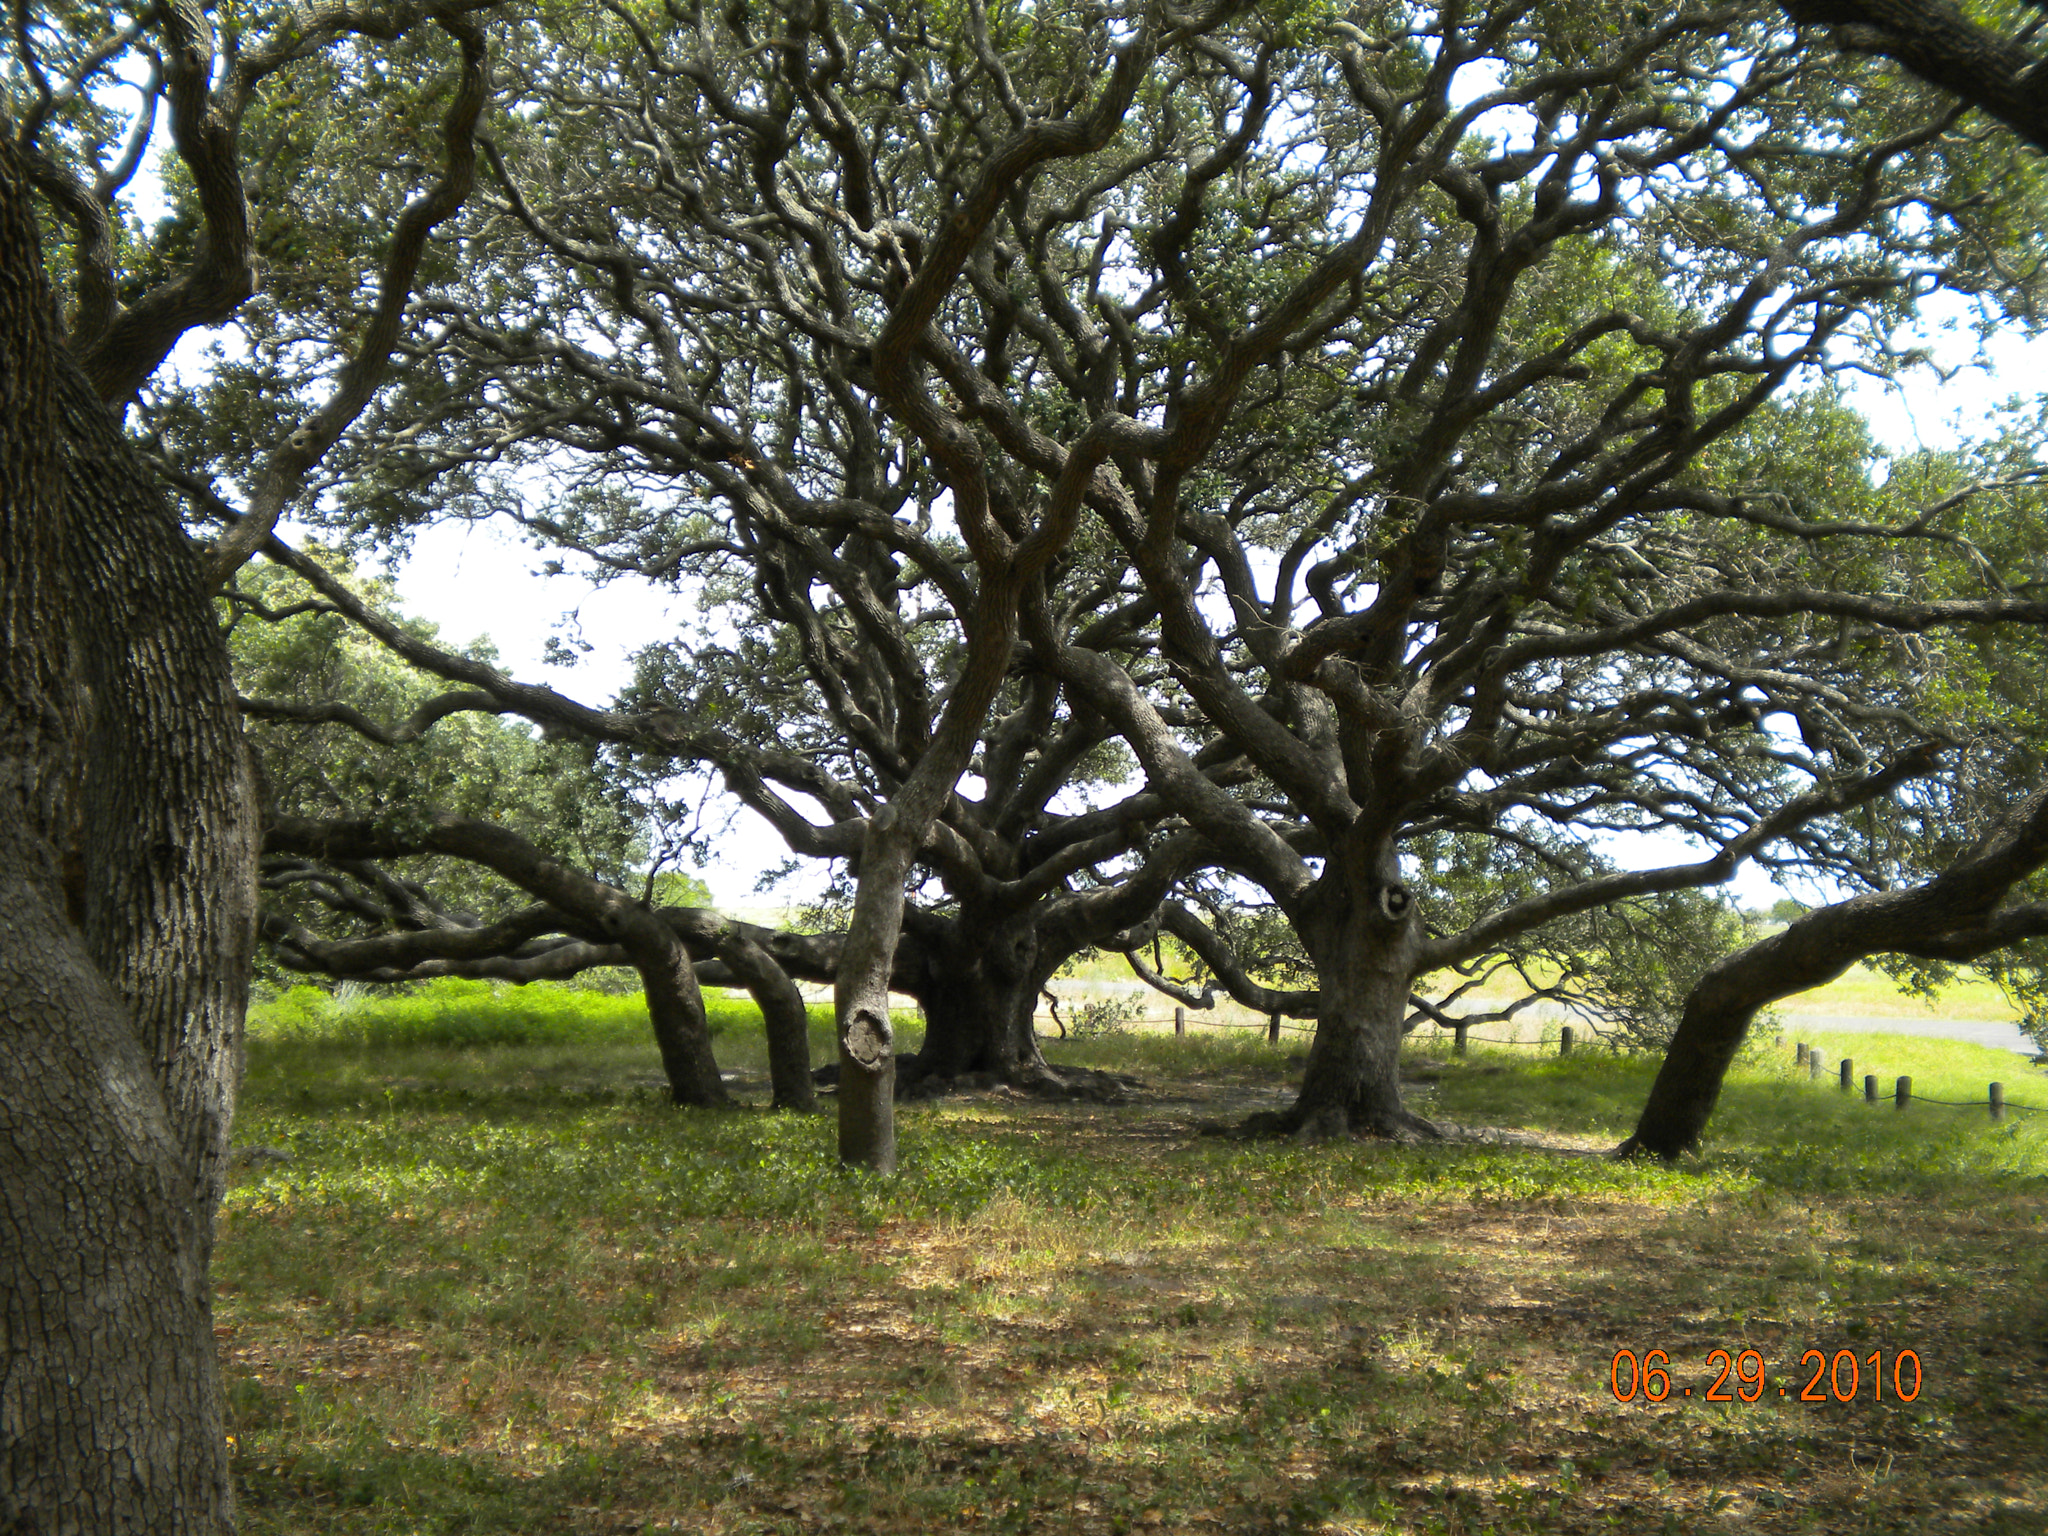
(1274, 1025)
(1462, 1037)
(1902, 1093)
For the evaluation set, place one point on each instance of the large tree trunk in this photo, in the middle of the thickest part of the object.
(1362, 934)
(127, 899)
(980, 992)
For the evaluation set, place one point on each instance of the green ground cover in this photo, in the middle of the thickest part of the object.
(501, 1286)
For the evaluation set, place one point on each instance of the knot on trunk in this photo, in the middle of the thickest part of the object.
(1395, 901)
(867, 1038)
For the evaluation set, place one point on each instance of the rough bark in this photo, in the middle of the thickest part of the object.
(784, 1018)
(1956, 916)
(860, 993)
(979, 993)
(675, 1007)
(127, 882)
(1363, 935)
(1946, 48)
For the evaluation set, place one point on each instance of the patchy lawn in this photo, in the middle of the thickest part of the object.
(502, 1287)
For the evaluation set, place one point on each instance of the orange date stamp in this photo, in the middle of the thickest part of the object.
(1743, 1377)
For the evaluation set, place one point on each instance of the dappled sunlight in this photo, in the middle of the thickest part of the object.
(504, 1307)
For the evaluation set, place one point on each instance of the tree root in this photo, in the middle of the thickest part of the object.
(1636, 1147)
(1331, 1122)
(916, 1081)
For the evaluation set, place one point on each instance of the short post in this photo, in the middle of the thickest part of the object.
(1180, 1021)
(1458, 1044)
(1848, 1075)
(1813, 1066)
(1564, 1041)
(1273, 1029)
(1902, 1093)
(1799, 1058)
(1870, 1087)
(1998, 1101)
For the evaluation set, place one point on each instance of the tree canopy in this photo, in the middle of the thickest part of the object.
(1421, 423)
(1379, 457)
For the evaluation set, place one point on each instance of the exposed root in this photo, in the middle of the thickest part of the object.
(915, 1080)
(1330, 1122)
(1636, 1147)
(1097, 1087)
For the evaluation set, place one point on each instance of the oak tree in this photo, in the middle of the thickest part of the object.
(128, 840)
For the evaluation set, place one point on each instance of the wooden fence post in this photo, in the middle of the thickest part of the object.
(1813, 1066)
(1998, 1101)
(1902, 1093)
(1870, 1087)
(1273, 1029)
(1564, 1041)
(1848, 1074)
(1180, 1021)
(1459, 1046)
(1799, 1057)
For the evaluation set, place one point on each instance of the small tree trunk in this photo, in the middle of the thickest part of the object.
(784, 1018)
(860, 997)
(867, 959)
(675, 1006)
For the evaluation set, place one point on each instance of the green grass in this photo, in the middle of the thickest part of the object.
(502, 1287)
(1866, 993)
(458, 1013)
(492, 1037)
(1860, 992)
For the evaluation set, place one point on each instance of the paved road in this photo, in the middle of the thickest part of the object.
(2002, 1033)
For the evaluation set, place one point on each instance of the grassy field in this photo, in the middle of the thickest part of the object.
(500, 1286)
(1860, 992)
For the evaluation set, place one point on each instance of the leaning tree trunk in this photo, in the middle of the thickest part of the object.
(784, 1018)
(1711, 1028)
(1951, 917)
(127, 901)
(1364, 939)
(675, 1007)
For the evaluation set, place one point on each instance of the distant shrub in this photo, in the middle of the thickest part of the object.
(1106, 1016)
